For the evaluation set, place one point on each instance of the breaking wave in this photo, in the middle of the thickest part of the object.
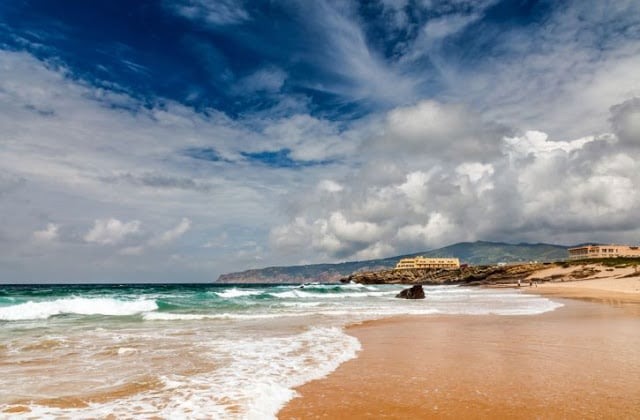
(79, 306)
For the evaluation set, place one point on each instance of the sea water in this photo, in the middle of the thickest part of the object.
(196, 351)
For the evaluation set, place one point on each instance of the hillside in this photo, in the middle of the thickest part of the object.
(473, 253)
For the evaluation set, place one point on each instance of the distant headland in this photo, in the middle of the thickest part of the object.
(470, 263)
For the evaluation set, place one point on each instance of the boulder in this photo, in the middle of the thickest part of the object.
(414, 292)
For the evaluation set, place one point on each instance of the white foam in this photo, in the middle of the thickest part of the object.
(302, 304)
(168, 316)
(279, 364)
(123, 351)
(256, 379)
(80, 306)
(298, 294)
(234, 293)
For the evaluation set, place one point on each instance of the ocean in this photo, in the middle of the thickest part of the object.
(196, 351)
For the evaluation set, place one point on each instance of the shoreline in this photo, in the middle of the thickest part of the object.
(581, 360)
(621, 292)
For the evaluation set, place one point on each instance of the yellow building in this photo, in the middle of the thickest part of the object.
(603, 251)
(423, 262)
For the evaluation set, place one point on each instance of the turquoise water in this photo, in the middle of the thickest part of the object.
(196, 351)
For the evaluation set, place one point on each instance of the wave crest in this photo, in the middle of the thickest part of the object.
(80, 306)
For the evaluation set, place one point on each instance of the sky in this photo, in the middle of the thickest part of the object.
(176, 140)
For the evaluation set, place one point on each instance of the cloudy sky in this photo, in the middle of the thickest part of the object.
(177, 140)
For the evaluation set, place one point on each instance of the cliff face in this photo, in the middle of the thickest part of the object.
(477, 275)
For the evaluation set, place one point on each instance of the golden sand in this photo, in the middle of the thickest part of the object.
(580, 361)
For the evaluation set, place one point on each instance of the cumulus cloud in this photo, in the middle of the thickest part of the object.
(159, 240)
(47, 234)
(528, 187)
(172, 234)
(427, 234)
(442, 131)
(111, 231)
(536, 143)
(353, 231)
(626, 122)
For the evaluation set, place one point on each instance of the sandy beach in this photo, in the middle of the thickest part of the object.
(579, 361)
(612, 287)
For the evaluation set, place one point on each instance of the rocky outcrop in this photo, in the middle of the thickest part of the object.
(477, 275)
(414, 292)
(411, 276)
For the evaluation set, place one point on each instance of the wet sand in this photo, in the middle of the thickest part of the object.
(580, 361)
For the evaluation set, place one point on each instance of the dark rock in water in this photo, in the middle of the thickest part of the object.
(414, 292)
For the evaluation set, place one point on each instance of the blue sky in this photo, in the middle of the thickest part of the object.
(176, 140)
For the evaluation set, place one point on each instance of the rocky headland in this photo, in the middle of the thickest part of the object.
(475, 275)
(505, 275)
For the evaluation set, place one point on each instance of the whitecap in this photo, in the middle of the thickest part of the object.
(80, 306)
(234, 293)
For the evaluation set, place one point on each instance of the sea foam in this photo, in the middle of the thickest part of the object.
(76, 305)
(255, 379)
(234, 293)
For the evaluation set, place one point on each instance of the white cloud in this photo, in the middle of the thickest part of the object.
(215, 12)
(269, 79)
(416, 190)
(428, 234)
(111, 231)
(376, 250)
(626, 121)
(475, 171)
(307, 137)
(48, 234)
(530, 188)
(358, 71)
(536, 143)
(356, 231)
(172, 234)
(560, 76)
(329, 186)
(440, 131)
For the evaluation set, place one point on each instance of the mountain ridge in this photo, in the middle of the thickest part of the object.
(473, 253)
